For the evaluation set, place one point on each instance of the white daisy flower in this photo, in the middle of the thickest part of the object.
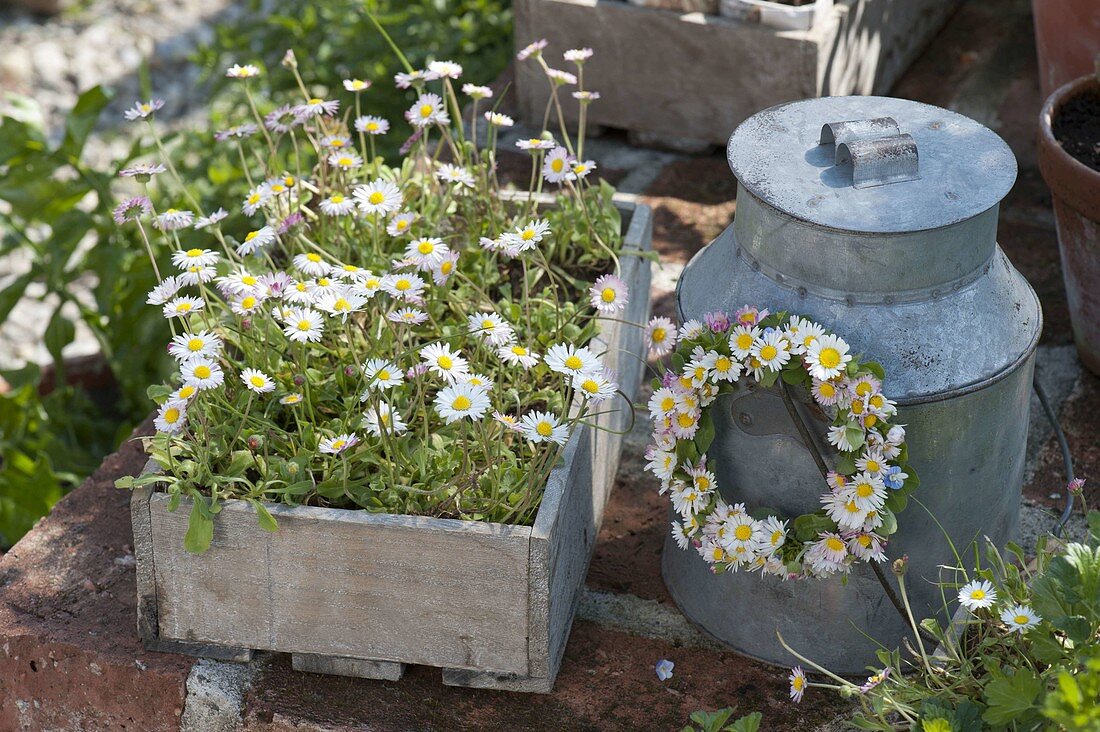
(428, 110)
(491, 328)
(239, 282)
(564, 358)
(868, 547)
(721, 367)
(609, 294)
(369, 284)
(408, 316)
(561, 78)
(256, 199)
(846, 512)
(536, 143)
(577, 55)
(445, 69)
(404, 286)
(442, 361)
(586, 96)
(531, 234)
(338, 444)
(596, 386)
(742, 339)
(142, 110)
(189, 345)
(828, 553)
(257, 381)
(171, 417)
(872, 462)
(773, 531)
(582, 168)
(190, 257)
(558, 166)
(515, 354)
(531, 50)
(202, 373)
(839, 438)
(246, 305)
(181, 307)
(456, 174)
(866, 491)
(204, 221)
(1020, 618)
(300, 292)
(304, 325)
(247, 71)
(827, 393)
(340, 303)
(802, 333)
(311, 263)
(544, 427)
(497, 119)
(662, 403)
(475, 91)
(316, 107)
(662, 463)
(771, 350)
(660, 333)
(481, 381)
(164, 291)
(880, 406)
(291, 399)
(372, 125)
(977, 594)
(509, 421)
(692, 330)
(337, 205)
(459, 401)
(685, 423)
(381, 417)
(174, 219)
(356, 85)
(401, 223)
(798, 683)
(195, 275)
(827, 357)
(183, 393)
(256, 240)
(404, 81)
(426, 252)
(345, 160)
(378, 197)
(382, 375)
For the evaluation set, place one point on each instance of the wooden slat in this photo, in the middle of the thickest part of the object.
(342, 666)
(348, 583)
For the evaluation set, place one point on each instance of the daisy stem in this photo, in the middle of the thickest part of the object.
(259, 119)
(172, 168)
(913, 624)
(449, 90)
(148, 249)
(844, 683)
(244, 165)
(244, 418)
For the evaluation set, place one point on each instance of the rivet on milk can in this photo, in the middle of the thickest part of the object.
(876, 218)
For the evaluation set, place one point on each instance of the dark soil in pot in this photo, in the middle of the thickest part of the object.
(1077, 127)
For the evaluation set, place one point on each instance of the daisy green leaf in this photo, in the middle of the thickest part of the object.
(200, 530)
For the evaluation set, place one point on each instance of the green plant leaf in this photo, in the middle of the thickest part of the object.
(1011, 697)
(200, 530)
(81, 120)
(264, 517)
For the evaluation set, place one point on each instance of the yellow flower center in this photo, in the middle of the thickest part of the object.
(686, 420)
(743, 532)
(608, 295)
(171, 415)
(248, 303)
(251, 235)
(372, 126)
(341, 305)
(313, 257)
(337, 143)
(829, 358)
(194, 252)
(718, 552)
(876, 401)
(384, 375)
(426, 110)
(722, 364)
(557, 164)
(869, 421)
(873, 466)
(304, 325)
(376, 197)
(461, 402)
(323, 282)
(834, 544)
(573, 362)
(864, 540)
(863, 388)
(248, 280)
(544, 428)
(339, 444)
(186, 391)
(798, 683)
(344, 162)
(384, 419)
(865, 490)
(658, 335)
(744, 341)
(195, 344)
(667, 404)
(827, 390)
(776, 536)
(527, 235)
(768, 352)
(258, 381)
(183, 307)
(444, 362)
(857, 407)
(402, 224)
(425, 247)
(402, 285)
(289, 180)
(977, 595)
(254, 198)
(147, 108)
(1021, 619)
(202, 371)
(590, 386)
(851, 507)
(519, 350)
(315, 101)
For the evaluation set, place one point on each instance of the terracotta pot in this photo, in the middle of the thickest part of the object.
(1076, 189)
(1067, 36)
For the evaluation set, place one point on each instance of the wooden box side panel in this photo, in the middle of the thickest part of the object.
(565, 531)
(646, 57)
(348, 583)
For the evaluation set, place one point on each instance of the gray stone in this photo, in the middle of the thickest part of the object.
(215, 696)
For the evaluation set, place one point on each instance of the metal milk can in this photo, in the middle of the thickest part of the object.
(876, 217)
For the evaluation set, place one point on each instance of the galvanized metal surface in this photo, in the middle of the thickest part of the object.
(955, 327)
(965, 168)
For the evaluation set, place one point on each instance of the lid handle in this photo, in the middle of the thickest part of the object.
(876, 150)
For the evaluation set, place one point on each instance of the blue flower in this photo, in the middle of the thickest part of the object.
(664, 669)
(894, 478)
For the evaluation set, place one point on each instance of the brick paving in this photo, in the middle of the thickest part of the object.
(69, 654)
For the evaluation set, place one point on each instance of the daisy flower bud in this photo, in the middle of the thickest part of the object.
(531, 50)
(132, 209)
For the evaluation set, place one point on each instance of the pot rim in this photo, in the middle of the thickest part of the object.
(1068, 178)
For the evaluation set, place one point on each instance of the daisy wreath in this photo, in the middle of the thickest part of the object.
(867, 488)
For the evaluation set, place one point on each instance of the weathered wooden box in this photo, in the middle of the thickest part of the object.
(361, 594)
(671, 77)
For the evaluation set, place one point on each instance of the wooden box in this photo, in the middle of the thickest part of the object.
(361, 594)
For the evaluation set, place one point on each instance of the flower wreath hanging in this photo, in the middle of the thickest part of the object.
(867, 488)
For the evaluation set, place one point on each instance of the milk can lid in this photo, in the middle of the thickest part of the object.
(871, 164)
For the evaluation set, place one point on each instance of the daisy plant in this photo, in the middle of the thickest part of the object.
(864, 492)
(398, 336)
(1022, 651)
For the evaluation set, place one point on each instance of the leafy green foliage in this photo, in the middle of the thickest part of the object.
(717, 722)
